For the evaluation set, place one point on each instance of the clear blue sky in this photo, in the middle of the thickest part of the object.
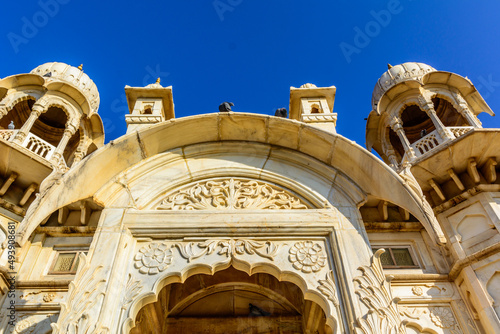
(249, 51)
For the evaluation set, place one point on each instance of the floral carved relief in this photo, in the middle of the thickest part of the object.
(228, 248)
(307, 256)
(442, 317)
(233, 193)
(153, 258)
(374, 290)
(327, 287)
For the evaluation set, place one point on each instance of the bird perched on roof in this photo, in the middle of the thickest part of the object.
(281, 112)
(423, 133)
(226, 106)
(11, 125)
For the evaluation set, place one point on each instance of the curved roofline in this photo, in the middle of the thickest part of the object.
(370, 173)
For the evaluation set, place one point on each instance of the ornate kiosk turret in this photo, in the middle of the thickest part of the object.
(424, 125)
(48, 121)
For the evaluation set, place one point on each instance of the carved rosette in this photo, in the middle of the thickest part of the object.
(442, 317)
(153, 258)
(307, 256)
(231, 194)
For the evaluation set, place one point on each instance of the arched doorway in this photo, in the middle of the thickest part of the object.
(230, 301)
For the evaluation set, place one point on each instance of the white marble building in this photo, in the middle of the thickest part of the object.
(247, 223)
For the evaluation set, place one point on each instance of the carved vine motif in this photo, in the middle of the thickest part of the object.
(225, 194)
(229, 248)
(24, 326)
(441, 317)
(153, 258)
(418, 291)
(374, 290)
(31, 323)
(327, 287)
(307, 256)
(83, 294)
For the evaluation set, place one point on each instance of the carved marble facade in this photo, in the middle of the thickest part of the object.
(234, 222)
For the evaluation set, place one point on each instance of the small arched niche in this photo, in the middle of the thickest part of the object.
(18, 114)
(230, 301)
(147, 110)
(50, 125)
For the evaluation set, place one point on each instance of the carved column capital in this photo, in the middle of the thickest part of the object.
(38, 109)
(396, 123)
(70, 129)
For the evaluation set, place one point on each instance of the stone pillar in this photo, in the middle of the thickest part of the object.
(463, 109)
(427, 105)
(79, 154)
(397, 126)
(25, 129)
(99, 285)
(81, 151)
(68, 132)
(391, 155)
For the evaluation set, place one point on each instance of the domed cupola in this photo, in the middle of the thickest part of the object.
(417, 110)
(397, 74)
(48, 121)
(74, 76)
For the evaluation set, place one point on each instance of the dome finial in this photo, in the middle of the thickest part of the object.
(158, 80)
(80, 67)
(389, 66)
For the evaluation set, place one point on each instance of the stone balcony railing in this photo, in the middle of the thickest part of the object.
(32, 143)
(432, 140)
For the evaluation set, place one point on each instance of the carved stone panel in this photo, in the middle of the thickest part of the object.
(231, 193)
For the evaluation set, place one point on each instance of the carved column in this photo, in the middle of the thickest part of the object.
(68, 132)
(3, 111)
(427, 105)
(463, 109)
(397, 126)
(81, 151)
(99, 286)
(391, 155)
(25, 129)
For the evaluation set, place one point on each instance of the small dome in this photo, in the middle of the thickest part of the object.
(74, 76)
(308, 85)
(397, 74)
